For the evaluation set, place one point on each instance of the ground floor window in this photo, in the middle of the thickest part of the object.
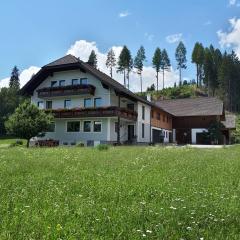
(97, 126)
(51, 127)
(48, 104)
(40, 105)
(87, 126)
(143, 130)
(73, 126)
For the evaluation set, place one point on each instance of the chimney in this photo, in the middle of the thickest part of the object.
(149, 97)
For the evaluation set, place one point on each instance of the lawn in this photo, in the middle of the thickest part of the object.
(120, 193)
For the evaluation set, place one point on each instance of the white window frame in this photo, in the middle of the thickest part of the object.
(94, 125)
(65, 104)
(74, 131)
(42, 102)
(90, 126)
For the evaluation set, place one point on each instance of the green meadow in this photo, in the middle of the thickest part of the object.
(119, 193)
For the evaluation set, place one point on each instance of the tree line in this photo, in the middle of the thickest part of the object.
(126, 63)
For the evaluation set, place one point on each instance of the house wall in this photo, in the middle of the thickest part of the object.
(76, 101)
(165, 121)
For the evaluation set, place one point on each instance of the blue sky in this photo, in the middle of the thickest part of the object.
(36, 32)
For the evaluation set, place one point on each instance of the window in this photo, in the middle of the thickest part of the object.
(97, 126)
(51, 127)
(116, 127)
(53, 83)
(62, 83)
(97, 102)
(73, 126)
(130, 106)
(84, 81)
(40, 105)
(158, 116)
(75, 81)
(143, 130)
(48, 104)
(87, 126)
(87, 102)
(67, 103)
(143, 112)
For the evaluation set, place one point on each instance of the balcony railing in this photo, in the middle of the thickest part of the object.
(66, 90)
(95, 112)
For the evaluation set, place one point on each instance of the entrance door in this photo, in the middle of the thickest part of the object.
(130, 132)
(184, 136)
(156, 136)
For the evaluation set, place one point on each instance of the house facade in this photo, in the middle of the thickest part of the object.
(92, 108)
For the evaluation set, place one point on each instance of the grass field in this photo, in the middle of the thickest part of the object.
(121, 193)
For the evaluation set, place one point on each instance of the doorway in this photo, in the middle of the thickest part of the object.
(130, 133)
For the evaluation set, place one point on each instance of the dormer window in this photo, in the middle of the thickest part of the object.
(62, 83)
(53, 83)
(75, 81)
(84, 81)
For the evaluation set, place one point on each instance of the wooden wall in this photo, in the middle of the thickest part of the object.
(165, 121)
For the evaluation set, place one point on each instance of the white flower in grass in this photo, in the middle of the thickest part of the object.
(173, 208)
(201, 238)
(144, 235)
(189, 228)
(148, 231)
(139, 230)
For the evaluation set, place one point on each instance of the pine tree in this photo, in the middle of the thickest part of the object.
(181, 59)
(92, 60)
(165, 63)
(14, 79)
(125, 64)
(156, 62)
(138, 62)
(111, 61)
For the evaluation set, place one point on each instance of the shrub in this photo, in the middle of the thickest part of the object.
(80, 144)
(16, 143)
(102, 147)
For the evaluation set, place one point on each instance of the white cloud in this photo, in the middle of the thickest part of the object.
(231, 39)
(207, 23)
(124, 14)
(234, 3)
(149, 36)
(174, 38)
(83, 48)
(24, 76)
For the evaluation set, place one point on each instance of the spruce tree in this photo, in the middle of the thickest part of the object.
(92, 60)
(138, 62)
(156, 62)
(181, 59)
(14, 79)
(125, 64)
(165, 63)
(111, 61)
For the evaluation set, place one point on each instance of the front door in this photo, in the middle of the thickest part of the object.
(130, 132)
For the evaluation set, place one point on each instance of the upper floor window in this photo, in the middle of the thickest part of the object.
(143, 112)
(40, 105)
(130, 106)
(97, 126)
(97, 102)
(158, 116)
(87, 102)
(67, 103)
(53, 83)
(62, 83)
(83, 81)
(75, 81)
(73, 126)
(48, 104)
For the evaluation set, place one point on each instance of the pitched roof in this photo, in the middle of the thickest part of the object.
(71, 62)
(202, 106)
(230, 121)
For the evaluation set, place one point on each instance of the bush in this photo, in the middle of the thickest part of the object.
(102, 147)
(16, 143)
(80, 144)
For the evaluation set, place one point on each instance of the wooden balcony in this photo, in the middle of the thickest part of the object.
(95, 112)
(69, 90)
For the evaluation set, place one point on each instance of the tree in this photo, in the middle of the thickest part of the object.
(92, 60)
(156, 61)
(151, 88)
(14, 79)
(181, 59)
(138, 62)
(28, 121)
(198, 59)
(165, 63)
(125, 64)
(111, 60)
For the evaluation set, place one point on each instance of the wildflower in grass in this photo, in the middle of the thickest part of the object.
(144, 235)
(59, 227)
(148, 231)
(173, 208)
(189, 228)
